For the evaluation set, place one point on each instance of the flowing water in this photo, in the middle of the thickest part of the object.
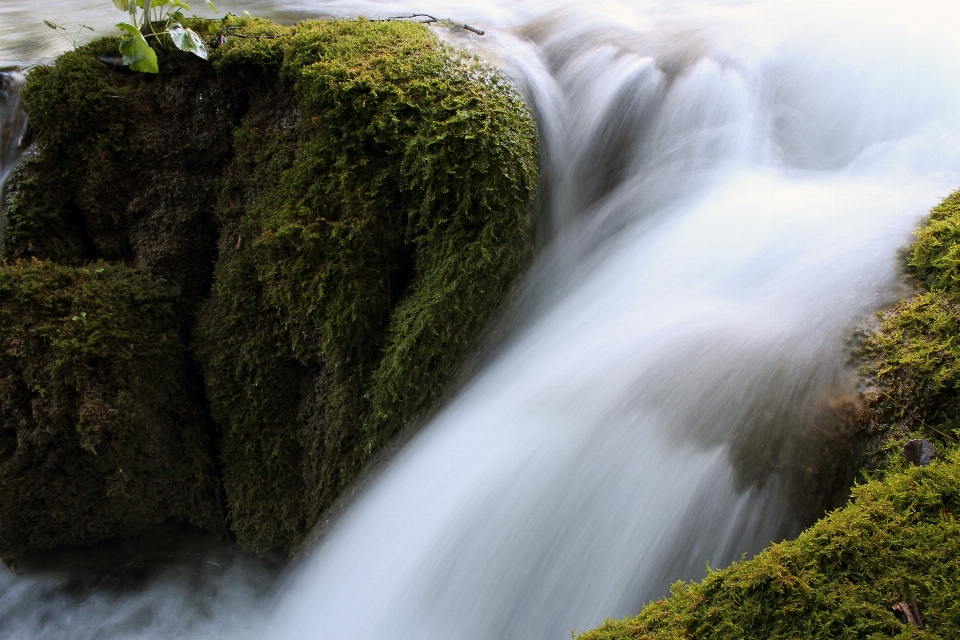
(725, 189)
(13, 132)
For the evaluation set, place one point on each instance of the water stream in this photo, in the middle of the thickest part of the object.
(725, 189)
(13, 133)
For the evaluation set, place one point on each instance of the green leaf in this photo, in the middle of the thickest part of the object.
(123, 5)
(212, 8)
(137, 54)
(128, 28)
(187, 40)
(50, 24)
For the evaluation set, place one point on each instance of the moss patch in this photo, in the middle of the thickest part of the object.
(125, 167)
(377, 210)
(913, 361)
(899, 538)
(97, 436)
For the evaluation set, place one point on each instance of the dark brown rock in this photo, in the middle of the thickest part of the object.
(919, 452)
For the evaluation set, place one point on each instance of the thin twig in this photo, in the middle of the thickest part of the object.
(920, 420)
(260, 37)
(430, 20)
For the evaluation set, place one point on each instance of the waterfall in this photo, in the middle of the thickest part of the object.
(13, 134)
(725, 187)
(726, 190)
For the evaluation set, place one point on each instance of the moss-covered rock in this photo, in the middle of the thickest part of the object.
(125, 167)
(336, 209)
(935, 256)
(378, 209)
(99, 436)
(898, 539)
(913, 360)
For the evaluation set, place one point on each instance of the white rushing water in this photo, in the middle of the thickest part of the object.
(13, 133)
(725, 188)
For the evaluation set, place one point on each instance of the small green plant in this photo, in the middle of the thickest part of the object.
(146, 16)
(66, 34)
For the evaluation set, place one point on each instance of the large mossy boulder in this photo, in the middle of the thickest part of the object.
(336, 209)
(377, 210)
(99, 435)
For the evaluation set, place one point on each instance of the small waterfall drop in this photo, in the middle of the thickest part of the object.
(727, 187)
(13, 134)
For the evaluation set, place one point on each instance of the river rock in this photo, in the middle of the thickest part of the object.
(919, 452)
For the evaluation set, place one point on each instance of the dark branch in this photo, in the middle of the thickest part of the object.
(428, 19)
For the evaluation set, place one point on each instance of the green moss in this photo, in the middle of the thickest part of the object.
(377, 211)
(899, 538)
(98, 435)
(935, 256)
(125, 167)
(913, 360)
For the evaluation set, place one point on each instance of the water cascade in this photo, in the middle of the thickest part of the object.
(13, 132)
(725, 188)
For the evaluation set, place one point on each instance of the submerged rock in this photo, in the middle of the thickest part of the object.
(333, 212)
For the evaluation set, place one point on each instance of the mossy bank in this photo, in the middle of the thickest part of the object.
(330, 213)
(898, 540)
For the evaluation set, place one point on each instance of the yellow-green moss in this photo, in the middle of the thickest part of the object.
(898, 538)
(935, 256)
(913, 360)
(377, 210)
(99, 436)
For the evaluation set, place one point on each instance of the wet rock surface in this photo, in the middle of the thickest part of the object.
(919, 452)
